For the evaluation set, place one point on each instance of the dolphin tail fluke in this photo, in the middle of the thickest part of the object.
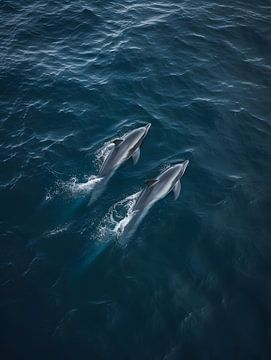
(177, 190)
(136, 155)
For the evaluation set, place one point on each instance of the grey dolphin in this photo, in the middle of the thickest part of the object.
(156, 189)
(123, 149)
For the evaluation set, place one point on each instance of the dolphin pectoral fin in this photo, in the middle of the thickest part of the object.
(150, 182)
(177, 190)
(117, 142)
(136, 155)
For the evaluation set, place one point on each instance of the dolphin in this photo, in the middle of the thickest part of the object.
(158, 188)
(122, 150)
(155, 189)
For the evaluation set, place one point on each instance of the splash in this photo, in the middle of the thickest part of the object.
(75, 187)
(110, 230)
(117, 218)
(57, 230)
(102, 153)
(51, 193)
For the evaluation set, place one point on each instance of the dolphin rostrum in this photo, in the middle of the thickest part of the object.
(123, 149)
(156, 189)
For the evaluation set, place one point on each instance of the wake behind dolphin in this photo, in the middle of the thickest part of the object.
(120, 151)
(107, 232)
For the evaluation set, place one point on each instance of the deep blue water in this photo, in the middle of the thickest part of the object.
(193, 282)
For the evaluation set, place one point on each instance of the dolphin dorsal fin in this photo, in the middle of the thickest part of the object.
(150, 182)
(117, 141)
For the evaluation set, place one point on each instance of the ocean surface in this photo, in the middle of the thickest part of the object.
(194, 280)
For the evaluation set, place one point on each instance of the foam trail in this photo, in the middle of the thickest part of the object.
(109, 230)
(128, 225)
(75, 187)
(102, 153)
(121, 222)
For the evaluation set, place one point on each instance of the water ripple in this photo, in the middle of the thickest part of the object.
(73, 76)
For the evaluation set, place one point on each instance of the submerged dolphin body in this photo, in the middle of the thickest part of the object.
(155, 190)
(123, 149)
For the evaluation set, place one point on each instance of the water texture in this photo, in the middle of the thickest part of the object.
(193, 282)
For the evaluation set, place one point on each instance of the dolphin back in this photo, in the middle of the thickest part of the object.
(108, 164)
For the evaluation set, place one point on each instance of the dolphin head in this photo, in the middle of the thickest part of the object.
(147, 128)
(179, 169)
(143, 130)
(183, 167)
(140, 132)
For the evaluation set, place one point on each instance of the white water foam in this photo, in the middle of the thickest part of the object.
(51, 193)
(109, 230)
(57, 230)
(117, 218)
(74, 186)
(102, 153)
